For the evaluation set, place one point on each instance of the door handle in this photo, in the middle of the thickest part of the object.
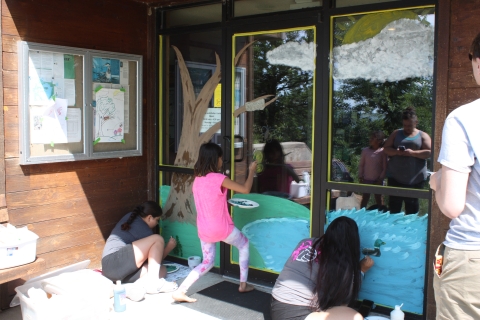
(229, 143)
(243, 147)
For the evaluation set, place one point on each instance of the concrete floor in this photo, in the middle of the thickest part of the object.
(157, 306)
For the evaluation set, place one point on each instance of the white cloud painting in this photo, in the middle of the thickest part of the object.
(403, 49)
(294, 54)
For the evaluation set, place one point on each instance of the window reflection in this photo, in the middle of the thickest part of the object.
(251, 7)
(278, 132)
(382, 64)
(348, 200)
(407, 148)
(198, 51)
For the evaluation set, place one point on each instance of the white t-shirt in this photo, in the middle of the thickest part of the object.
(459, 151)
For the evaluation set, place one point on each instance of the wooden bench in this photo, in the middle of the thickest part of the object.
(29, 269)
(19, 272)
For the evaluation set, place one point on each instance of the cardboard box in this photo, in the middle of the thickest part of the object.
(20, 248)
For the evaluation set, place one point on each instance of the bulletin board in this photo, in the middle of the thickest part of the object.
(78, 104)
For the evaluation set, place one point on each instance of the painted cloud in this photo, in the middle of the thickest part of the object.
(294, 54)
(404, 51)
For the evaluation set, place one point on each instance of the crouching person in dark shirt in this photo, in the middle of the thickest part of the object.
(322, 276)
(133, 252)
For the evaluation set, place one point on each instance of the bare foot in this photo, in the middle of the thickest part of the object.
(245, 287)
(180, 296)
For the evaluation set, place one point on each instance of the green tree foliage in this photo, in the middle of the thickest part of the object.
(290, 117)
(361, 106)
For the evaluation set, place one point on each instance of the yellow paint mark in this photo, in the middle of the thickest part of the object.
(217, 96)
(5, 108)
(370, 25)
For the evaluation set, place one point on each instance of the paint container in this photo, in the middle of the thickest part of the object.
(119, 296)
(193, 261)
(298, 190)
(397, 314)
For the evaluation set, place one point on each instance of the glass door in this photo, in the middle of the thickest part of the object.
(380, 128)
(273, 77)
(190, 116)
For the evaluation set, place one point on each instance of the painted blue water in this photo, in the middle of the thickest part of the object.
(276, 238)
(398, 275)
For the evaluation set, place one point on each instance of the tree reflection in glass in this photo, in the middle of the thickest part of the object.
(382, 64)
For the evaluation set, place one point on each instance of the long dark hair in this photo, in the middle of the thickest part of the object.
(272, 148)
(207, 159)
(147, 208)
(338, 279)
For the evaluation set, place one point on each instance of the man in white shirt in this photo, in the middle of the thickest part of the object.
(457, 191)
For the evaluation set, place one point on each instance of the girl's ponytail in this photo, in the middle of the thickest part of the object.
(137, 211)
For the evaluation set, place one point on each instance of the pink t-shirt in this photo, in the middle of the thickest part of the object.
(213, 219)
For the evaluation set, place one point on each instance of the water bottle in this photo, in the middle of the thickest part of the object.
(397, 314)
(306, 179)
(119, 296)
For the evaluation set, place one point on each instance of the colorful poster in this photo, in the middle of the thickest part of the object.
(109, 115)
(106, 70)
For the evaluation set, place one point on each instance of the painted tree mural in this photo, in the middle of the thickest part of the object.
(179, 205)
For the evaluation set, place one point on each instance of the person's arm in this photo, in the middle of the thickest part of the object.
(292, 173)
(450, 188)
(383, 174)
(426, 150)
(238, 187)
(388, 147)
(361, 166)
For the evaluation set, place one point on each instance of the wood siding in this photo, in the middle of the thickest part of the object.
(72, 206)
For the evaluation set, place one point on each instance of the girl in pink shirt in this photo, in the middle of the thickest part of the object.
(213, 219)
(373, 166)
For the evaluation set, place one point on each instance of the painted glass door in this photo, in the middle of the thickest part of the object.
(191, 115)
(382, 102)
(273, 98)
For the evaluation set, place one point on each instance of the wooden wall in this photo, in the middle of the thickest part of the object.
(72, 206)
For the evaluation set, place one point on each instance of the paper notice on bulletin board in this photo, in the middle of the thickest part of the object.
(48, 123)
(109, 115)
(212, 116)
(51, 75)
(74, 125)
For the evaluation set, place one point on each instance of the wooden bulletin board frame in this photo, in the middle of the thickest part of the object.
(60, 118)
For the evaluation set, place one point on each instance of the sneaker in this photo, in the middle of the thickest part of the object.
(157, 285)
(134, 292)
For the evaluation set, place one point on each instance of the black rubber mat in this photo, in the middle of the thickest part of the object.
(223, 301)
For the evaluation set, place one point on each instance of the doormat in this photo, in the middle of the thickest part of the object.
(223, 301)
